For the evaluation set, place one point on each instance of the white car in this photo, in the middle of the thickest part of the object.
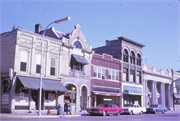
(133, 109)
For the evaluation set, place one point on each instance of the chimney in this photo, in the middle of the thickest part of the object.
(38, 28)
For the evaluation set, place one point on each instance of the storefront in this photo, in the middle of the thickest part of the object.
(132, 94)
(101, 94)
(26, 94)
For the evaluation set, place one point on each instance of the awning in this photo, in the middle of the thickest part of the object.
(51, 85)
(105, 93)
(131, 93)
(79, 59)
(177, 95)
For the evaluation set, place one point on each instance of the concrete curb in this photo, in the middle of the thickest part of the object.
(40, 116)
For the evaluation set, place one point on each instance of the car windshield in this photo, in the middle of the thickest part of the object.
(128, 105)
(103, 105)
(154, 106)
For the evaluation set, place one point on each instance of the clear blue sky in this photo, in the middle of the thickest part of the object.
(154, 23)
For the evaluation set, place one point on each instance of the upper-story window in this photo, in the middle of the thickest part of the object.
(77, 44)
(138, 77)
(132, 58)
(53, 65)
(23, 61)
(38, 63)
(113, 75)
(138, 59)
(94, 71)
(125, 55)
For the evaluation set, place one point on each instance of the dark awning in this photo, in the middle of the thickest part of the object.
(177, 95)
(79, 59)
(33, 83)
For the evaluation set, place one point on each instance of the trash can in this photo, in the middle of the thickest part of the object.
(67, 108)
(59, 110)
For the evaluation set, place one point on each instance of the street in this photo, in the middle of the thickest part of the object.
(87, 117)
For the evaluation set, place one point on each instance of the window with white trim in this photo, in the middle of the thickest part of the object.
(103, 73)
(109, 74)
(94, 71)
(113, 75)
(125, 74)
(23, 61)
(38, 63)
(117, 75)
(53, 65)
(99, 72)
(138, 77)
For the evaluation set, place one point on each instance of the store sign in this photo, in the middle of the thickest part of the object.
(5, 98)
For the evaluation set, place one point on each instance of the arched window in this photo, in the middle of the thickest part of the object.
(132, 57)
(138, 59)
(77, 44)
(125, 55)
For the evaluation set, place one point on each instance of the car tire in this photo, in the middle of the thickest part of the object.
(131, 113)
(118, 113)
(155, 112)
(141, 113)
(104, 113)
(163, 112)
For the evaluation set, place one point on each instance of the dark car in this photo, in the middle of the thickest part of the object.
(157, 108)
(105, 109)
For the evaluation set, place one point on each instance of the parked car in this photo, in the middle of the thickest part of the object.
(157, 108)
(105, 109)
(133, 109)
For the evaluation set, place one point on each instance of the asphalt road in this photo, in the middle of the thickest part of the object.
(87, 117)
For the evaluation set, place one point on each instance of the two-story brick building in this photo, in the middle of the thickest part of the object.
(105, 84)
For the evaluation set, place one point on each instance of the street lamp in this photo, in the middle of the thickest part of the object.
(40, 83)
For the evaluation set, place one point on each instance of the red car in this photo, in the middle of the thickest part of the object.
(105, 109)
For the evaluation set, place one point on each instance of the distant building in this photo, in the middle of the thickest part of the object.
(157, 86)
(176, 90)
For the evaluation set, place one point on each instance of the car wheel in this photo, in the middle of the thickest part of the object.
(155, 112)
(163, 112)
(131, 113)
(118, 113)
(141, 113)
(104, 113)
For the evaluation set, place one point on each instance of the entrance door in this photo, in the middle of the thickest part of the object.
(84, 98)
(35, 94)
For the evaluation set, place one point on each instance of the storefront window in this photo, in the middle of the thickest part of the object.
(132, 89)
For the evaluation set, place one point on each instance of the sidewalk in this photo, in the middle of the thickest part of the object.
(43, 114)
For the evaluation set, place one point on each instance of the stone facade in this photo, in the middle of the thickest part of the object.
(21, 52)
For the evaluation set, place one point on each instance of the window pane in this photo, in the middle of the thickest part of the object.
(109, 74)
(38, 59)
(77, 44)
(53, 62)
(125, 77)
(38, 68)
(131, 78)
(113, 75)
(94, 71)
(52, 71)
(24, 56)
(99, 72)
(103, 73)
(117, 75)
(23, 66)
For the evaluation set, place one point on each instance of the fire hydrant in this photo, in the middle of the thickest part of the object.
(48, 112)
